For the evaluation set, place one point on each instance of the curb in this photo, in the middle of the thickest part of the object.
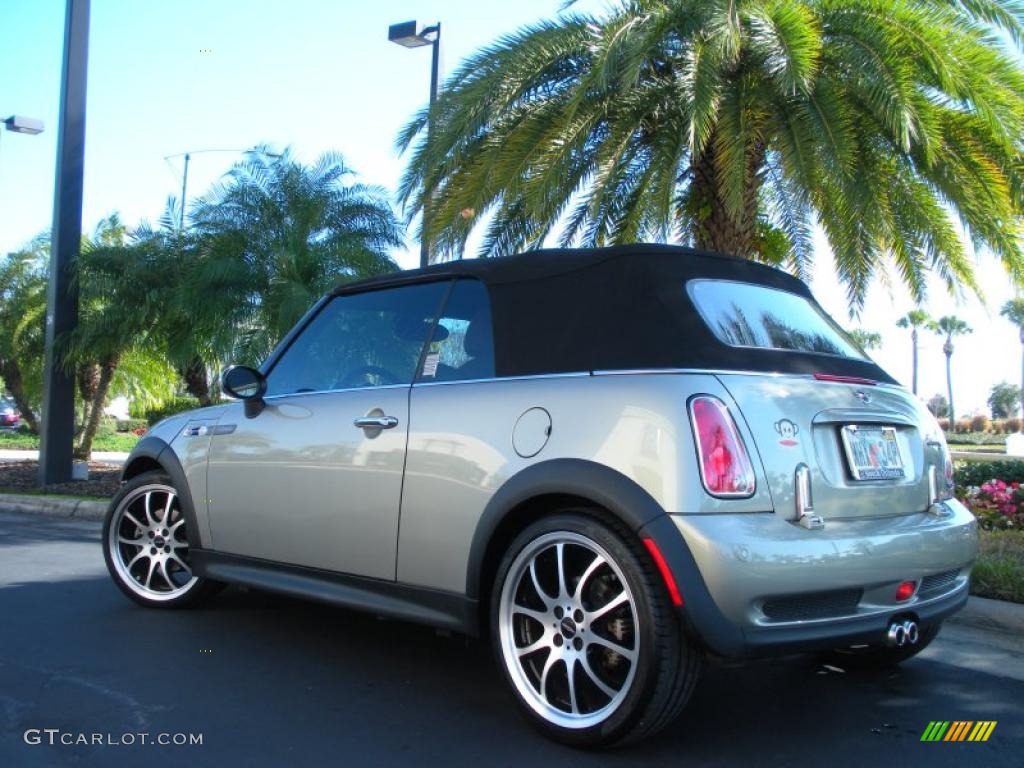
(53, 506)
(995, 615)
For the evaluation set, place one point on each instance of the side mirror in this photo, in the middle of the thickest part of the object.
(244, 383)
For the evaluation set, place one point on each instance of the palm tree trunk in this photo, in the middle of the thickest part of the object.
(949, 386)
(88, 379)
(913, 342)
(10, 372)
(84, 449)
(196, 382)
(714, 228)
(1022, 381)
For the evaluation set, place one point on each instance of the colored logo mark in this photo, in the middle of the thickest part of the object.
(958, 730)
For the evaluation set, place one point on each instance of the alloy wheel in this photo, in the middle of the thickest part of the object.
(148, 544)
(569, 630)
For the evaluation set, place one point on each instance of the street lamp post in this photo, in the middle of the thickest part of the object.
(409, 35)
(58, 416)
(184, 176)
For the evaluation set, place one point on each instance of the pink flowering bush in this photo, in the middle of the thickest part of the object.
(996, 504)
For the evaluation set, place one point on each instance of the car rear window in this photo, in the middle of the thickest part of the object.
(749, 315)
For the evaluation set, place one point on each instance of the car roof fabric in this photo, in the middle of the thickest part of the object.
(620, 308)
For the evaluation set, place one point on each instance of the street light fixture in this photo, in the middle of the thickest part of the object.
(22, 124)
(409, 35)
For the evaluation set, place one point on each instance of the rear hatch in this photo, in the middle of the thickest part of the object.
(862, 444)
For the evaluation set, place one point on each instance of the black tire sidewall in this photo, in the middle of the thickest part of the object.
(199, 589)
(629, 561)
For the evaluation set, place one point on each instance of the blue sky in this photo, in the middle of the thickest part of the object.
(169, 77)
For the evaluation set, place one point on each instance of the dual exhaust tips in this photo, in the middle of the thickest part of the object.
(902, 633)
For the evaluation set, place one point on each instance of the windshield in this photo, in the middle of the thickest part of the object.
(748, 315)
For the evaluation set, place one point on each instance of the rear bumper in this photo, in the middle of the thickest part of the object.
(728, 567)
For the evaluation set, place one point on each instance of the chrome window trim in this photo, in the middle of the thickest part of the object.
(698, 371)
(528, 377)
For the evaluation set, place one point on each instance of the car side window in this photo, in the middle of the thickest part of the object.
(368, 339)
(462, 347)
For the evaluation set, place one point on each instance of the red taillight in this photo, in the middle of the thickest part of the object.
(904, 591)
(947, 471)
(725, 465)
(845, 379)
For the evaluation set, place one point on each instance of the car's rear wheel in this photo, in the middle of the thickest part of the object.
(145, 545)
(881, 656)
(586, 635)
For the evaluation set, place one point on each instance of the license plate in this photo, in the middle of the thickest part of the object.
(873, 453)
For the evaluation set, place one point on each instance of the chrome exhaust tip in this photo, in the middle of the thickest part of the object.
(910, 632)
(896, 636)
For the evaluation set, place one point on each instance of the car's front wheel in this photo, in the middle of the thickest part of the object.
(585, 633)
(145, 545)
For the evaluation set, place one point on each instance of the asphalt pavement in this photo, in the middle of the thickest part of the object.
(267, 680)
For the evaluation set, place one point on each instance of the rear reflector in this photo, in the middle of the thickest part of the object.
(725, 466)
(845, 379)
(904, 591)
(666, 574)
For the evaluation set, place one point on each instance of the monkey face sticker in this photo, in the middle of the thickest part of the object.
(787, 432)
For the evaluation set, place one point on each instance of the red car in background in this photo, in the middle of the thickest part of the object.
(10, 418)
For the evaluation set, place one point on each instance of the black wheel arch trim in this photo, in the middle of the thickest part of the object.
(157, 450)
(599, 484)
(701, 616)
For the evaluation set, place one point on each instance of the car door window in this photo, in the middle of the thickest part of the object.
(462, 346)
(366, 339)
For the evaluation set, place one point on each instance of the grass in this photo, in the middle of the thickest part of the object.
(108, 441)
(999, 571)
(51, 495)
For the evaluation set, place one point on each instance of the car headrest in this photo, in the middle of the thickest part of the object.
(478, 340)
(412, 328)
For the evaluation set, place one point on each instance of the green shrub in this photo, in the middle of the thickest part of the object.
(976, 438)
(999, 570)
(171, 407)
(968, 473)
(130, 425)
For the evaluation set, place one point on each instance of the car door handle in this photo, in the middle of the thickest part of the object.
(376, 422)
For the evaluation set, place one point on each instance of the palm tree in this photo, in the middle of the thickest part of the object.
(112, 326)
(866, 340)
(734, 127)
(1013, 310)
(949, 326)
(22, 326)
(914, 319)
(275, 235)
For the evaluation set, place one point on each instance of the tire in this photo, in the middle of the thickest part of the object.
(881, 656)
(611, 622)
(145, 546)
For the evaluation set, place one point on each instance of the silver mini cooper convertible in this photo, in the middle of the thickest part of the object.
(611, 463)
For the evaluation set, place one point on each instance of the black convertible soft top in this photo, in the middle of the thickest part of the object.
(619, 308)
